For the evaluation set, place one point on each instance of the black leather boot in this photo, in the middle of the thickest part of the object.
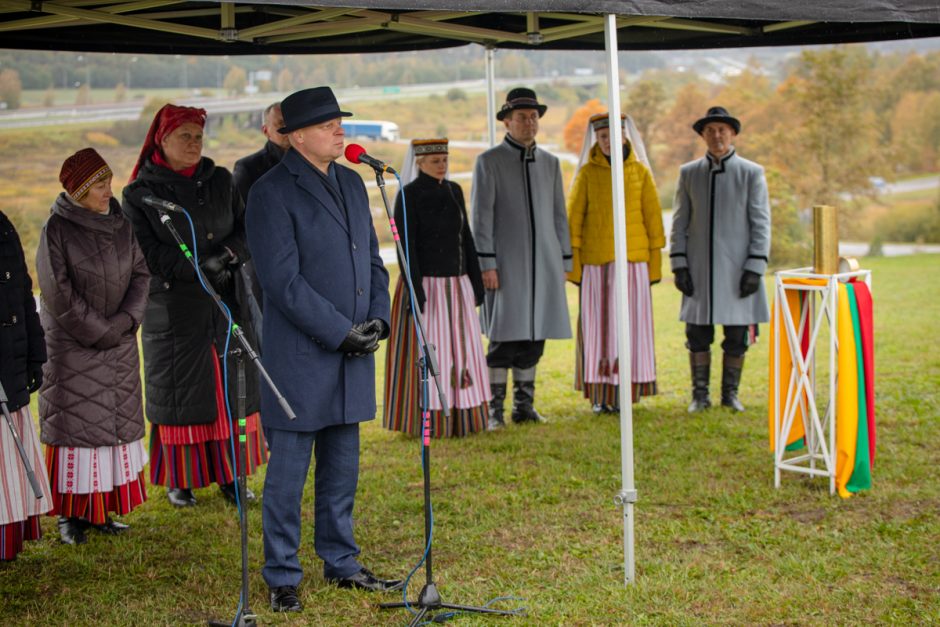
(496, 421)
(523, 399)
(72, 530)
(701, 373)
(181, 497)
(731, 368)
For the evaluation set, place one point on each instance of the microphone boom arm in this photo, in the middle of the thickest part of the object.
(236, 329)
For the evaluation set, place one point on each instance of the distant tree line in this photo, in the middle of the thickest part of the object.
(63, 70)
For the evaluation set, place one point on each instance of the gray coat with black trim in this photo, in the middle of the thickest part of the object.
(520, 226)
(720, 228)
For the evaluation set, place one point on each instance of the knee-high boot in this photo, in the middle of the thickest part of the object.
(523, 397)
(731, 368)
(498, 378)
(701, 373)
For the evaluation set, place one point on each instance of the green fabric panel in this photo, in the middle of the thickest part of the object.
(796, 445)
(861, 472)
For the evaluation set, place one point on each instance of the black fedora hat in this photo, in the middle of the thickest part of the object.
(308, 107)
(717, 114)
(520, 98)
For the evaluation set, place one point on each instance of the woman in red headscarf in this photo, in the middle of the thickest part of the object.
(184, 332)
(94, 283)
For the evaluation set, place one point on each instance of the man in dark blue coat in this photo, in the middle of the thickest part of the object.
(326, 306)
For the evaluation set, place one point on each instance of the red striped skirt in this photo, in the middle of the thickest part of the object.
(73, 495)
(453, 327)
(13, 535)
(19, 508)
(597, 365)
(198, 455)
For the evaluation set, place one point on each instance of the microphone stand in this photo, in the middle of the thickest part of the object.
(30, 475)
(245, 617)
(429, 599)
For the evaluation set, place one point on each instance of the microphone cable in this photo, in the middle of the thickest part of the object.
(424, 390)
(228, 409)
(439, 618)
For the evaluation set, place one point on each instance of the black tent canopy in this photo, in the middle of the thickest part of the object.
(347, 26)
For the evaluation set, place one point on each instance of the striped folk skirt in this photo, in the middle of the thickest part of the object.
(89, 483)
(597, 366)
(20, 510)
(453, 328)
(198, 455)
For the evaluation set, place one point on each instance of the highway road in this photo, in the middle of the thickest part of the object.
(47, 116)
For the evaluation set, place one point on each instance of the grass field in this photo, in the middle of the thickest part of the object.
(529, 512)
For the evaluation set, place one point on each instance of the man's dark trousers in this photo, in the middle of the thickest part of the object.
(335, 448)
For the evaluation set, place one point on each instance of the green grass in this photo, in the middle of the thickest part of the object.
(529, 512)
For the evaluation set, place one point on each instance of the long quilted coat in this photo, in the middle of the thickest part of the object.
(182, 324)
(89, 268)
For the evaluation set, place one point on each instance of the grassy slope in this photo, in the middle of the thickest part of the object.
(529, 512)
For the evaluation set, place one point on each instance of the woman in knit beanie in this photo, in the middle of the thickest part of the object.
(93, 281)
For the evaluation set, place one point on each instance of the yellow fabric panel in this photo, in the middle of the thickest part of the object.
(797, 430)
(846, 396)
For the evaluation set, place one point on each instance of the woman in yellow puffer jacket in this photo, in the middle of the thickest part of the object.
(591, 224)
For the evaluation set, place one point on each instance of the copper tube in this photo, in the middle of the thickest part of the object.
(825, 239)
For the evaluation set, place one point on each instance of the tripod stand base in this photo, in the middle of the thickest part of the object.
(429, 600)
(246, 618)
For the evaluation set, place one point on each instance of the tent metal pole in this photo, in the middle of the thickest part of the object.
(490, 94)
(627, 495)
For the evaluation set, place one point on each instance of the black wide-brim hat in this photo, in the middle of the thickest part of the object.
(520, 98)
(308, 107)
(717, 114)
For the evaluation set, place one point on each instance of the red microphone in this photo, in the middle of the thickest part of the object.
(357, 154)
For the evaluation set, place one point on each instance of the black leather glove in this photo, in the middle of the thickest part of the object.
(379, 326)
(217, 270)
(359, 341)
(684, 281)
(33, 375)
(750, 282)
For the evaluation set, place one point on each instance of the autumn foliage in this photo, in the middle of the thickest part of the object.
(574, 129)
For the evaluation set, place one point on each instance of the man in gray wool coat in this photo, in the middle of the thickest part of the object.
(719, 253)
(520, 226)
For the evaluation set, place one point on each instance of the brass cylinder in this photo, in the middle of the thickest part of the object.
(825, 239)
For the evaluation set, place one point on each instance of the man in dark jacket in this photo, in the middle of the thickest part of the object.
(326, 307)
(249, 169)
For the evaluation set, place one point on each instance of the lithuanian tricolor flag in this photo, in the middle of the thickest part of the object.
(855, 387)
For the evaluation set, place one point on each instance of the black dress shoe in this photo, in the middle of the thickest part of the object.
(284, 599)
(72, 530)
(181, 497)
(112, 527)
(365, 580)
(229, 489)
